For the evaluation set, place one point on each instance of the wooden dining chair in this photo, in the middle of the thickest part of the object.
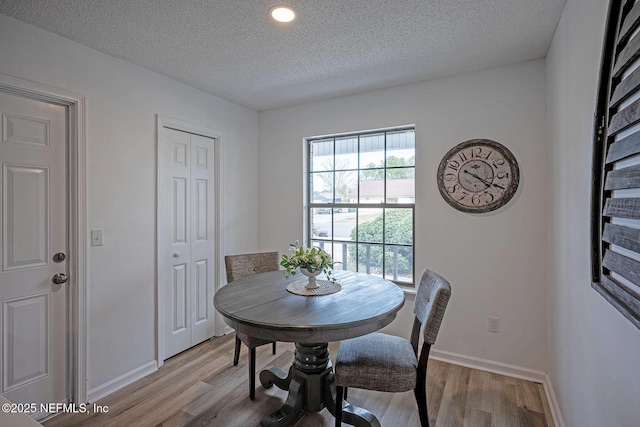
(239, 266)
(389, 363)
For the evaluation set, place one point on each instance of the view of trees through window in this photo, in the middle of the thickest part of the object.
(361, 193)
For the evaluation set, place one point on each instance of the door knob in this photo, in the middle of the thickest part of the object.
(59, 278)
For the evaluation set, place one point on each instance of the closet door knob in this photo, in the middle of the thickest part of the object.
(59, 278)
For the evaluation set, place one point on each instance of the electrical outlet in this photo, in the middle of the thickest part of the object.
(96, 237)
(494, 324)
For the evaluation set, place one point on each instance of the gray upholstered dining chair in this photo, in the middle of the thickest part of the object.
(239, 266)
(388, 363)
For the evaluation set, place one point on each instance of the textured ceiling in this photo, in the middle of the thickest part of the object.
(230, 48)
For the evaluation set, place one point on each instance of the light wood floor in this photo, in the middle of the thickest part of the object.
(201, 387)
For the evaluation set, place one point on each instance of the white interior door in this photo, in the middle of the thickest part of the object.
(33, 221)
(186, 191)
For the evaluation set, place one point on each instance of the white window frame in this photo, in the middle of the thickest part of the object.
(311, 205)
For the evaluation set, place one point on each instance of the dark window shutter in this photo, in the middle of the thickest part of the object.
(615, 216)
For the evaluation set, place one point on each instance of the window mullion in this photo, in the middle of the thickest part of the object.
(333, 210)
(358, 212)
(384, 210)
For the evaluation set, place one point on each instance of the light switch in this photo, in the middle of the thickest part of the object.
(96, 237)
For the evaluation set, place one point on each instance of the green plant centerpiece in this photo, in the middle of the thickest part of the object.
(311, 261)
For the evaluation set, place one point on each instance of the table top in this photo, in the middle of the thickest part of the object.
(260, 306)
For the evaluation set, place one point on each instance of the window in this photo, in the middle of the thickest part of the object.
(361, 193)
(615, 226)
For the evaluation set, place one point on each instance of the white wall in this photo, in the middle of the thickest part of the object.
(123, 100)
(592, 350)
(495, 262)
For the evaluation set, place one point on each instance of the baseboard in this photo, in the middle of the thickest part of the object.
(553, 403)
(508, 370)
(123, 380)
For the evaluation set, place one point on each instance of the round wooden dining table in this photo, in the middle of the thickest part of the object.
(261, 306)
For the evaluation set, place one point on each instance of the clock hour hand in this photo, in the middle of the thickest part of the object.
(484, 181)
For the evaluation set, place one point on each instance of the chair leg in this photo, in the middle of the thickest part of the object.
(420, 393)
(274, 347)
(339, 394)
(252, 373)
(236, 354)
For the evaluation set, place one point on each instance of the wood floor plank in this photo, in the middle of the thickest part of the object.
(528, 396)
(527, 418)
(437, 372)
(505, 408)
(178, 419)
(479, 393)
(503, 378)
(477, 418)
(374, 401)
(400, 410)
(454, 398)
(147, 413)
(201, 387)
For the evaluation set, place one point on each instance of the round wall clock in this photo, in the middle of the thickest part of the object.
(479, 175)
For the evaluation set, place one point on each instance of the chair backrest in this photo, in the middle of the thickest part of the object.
(429, 306)
(243, 265)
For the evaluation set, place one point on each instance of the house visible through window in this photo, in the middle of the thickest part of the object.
(361, 193)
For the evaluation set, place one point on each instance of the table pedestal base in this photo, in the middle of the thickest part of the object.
(311, 388)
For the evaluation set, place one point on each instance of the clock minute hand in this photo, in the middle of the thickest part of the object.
(497, 185)
(484, 181)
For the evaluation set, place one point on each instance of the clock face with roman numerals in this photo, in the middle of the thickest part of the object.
(479, 175)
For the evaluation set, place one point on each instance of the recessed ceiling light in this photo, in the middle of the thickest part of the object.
(283, 14)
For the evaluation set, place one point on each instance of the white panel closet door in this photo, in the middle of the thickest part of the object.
(34, 227)
(186, 190)
(202, 238)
